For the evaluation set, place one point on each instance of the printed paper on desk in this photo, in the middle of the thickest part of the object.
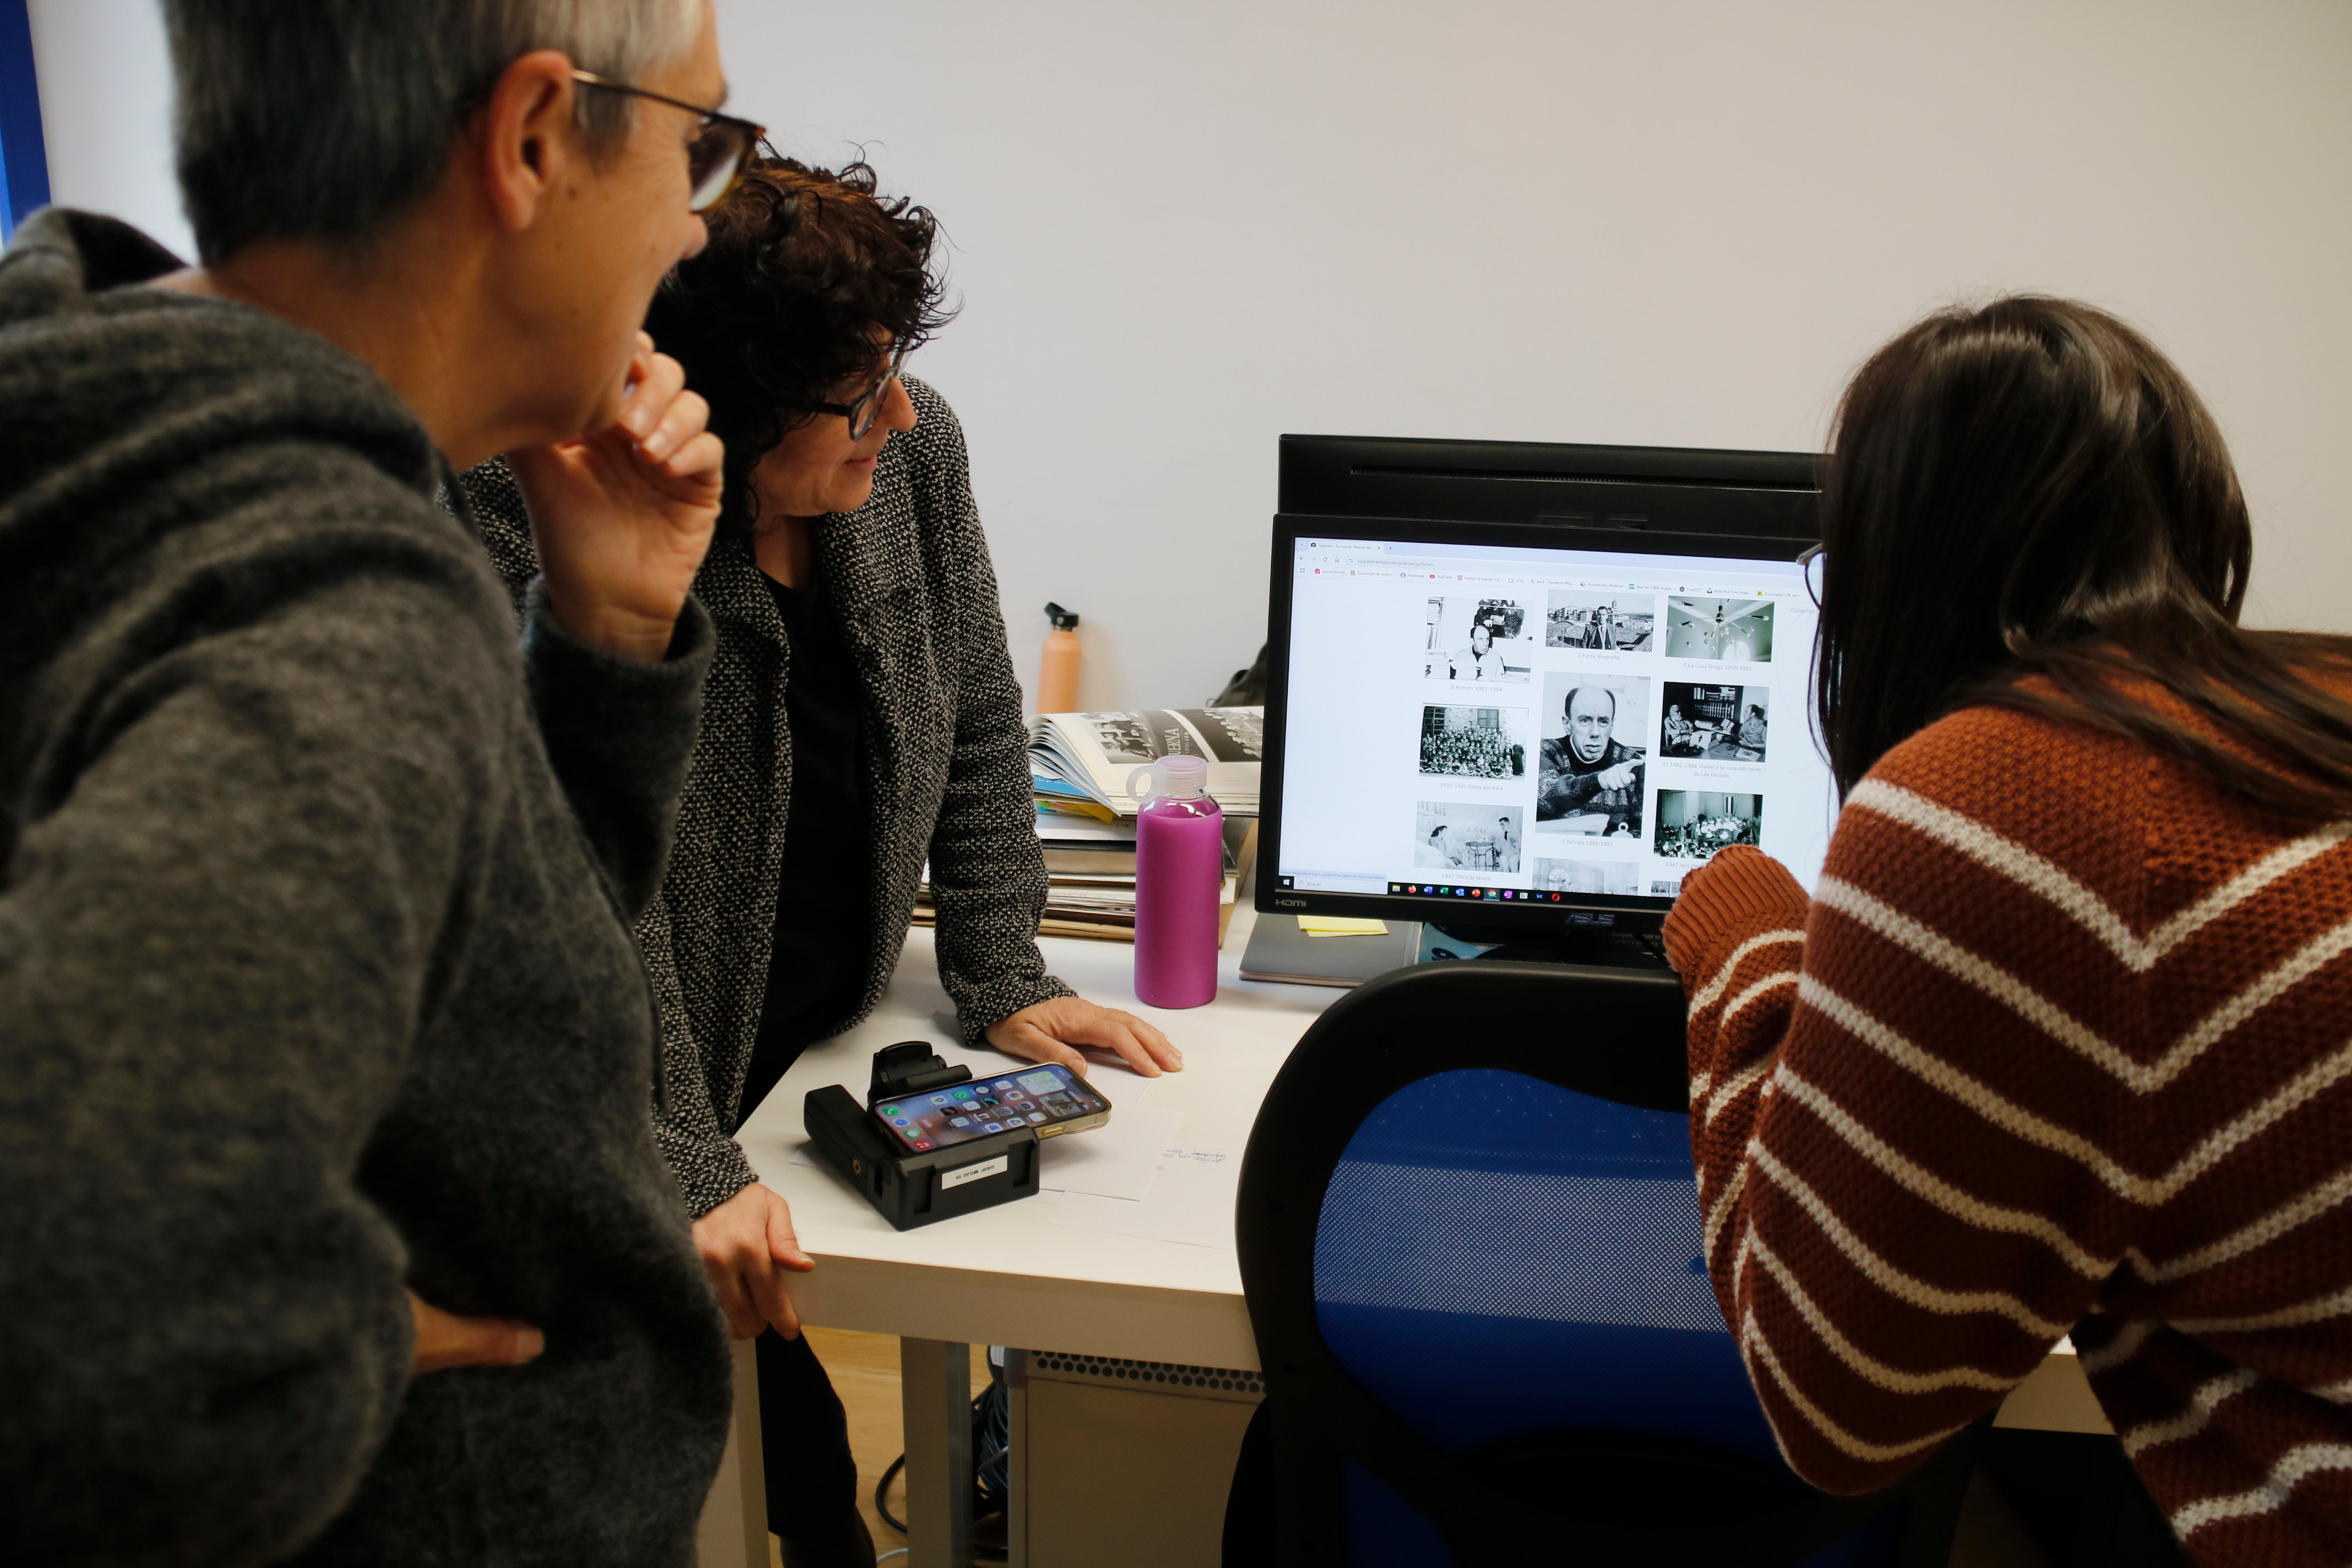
(1191, 1200)
(1113, 1161)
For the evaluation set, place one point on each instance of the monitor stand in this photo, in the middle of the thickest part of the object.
(1279, 951)
(1593, 940)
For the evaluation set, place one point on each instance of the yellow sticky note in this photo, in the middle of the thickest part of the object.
(1332, 925)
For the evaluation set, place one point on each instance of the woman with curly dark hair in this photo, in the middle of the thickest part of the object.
(861, 719)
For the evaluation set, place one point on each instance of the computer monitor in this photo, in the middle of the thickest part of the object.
(1666, 488)
(1497, 724)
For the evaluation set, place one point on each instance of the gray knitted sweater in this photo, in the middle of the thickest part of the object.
(946, 772)
(315, 977)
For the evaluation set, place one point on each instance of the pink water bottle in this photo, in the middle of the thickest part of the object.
(1180, 877)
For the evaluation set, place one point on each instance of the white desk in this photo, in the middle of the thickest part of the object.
(1009, 1276)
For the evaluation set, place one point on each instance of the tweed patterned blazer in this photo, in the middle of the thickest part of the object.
(946, 772)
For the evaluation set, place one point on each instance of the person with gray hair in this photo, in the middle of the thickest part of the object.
(279, 134)
(336, 1231)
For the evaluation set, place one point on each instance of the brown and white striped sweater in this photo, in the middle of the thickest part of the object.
(2059, 1045)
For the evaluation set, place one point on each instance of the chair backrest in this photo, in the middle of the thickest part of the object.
(1548, 1243)
(1470, 1238)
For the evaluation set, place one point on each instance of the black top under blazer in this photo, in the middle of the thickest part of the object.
(946, 772)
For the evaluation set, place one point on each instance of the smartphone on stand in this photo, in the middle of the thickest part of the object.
(1049, 1098)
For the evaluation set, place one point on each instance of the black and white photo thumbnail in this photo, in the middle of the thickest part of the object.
(1713, 723)
(1594, 757)
(1605, 623)
(1693, 824)
(1620, 879)
(1719, 629)
(1474, 742)
(1234, 734)
(1472, 638)
(1123, 736)
(1475, 838)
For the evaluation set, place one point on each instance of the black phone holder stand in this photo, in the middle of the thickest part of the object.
(907, 1186)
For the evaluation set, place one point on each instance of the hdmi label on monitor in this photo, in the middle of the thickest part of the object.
(997, 1166)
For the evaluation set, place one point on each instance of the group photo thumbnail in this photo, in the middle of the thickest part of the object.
(1453, 836)
(1693, 824)
(1471, 638)
(1605, 622)
(1715, 723)
(1474, 742)
(1594, 757)
(1719, 629)
(1622, 878)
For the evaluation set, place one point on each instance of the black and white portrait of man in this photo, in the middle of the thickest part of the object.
(1590, 778)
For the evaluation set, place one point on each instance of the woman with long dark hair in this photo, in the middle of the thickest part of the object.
(2059, 1042)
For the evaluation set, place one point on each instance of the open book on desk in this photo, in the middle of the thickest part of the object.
(1081, 760)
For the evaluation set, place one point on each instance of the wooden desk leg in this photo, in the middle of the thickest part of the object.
(734, 1529)
(935, 1394)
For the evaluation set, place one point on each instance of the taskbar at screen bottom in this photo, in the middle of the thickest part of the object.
(1506, 895)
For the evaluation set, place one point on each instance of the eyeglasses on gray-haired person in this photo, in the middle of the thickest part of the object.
(715, 158)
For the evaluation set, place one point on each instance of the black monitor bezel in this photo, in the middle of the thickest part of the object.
(1271, 897)
(1666, 487)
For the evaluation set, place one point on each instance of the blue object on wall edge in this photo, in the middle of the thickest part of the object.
(24, 161)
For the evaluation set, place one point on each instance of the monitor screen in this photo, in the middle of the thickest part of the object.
(1531, 719)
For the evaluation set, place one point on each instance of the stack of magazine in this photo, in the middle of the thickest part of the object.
(1080, 764)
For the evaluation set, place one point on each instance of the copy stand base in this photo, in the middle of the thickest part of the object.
(914, 1187)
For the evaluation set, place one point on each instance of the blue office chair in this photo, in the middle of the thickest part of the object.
(1469, 1236)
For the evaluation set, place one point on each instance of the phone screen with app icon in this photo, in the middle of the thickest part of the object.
(1049, 1098)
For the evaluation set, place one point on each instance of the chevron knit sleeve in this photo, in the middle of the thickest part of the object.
(1903, 1110)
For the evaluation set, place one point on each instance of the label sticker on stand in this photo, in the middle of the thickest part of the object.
(995, 1167)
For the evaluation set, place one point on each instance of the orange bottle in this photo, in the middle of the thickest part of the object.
(1057, 669)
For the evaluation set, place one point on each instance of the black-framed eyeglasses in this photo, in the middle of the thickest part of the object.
(863, 413)
(1815, 565)
(716, 158)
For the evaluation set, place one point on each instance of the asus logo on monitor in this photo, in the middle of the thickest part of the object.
(1290, 903)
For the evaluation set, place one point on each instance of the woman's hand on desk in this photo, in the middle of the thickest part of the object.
(745, 1244)
(1047, 1032)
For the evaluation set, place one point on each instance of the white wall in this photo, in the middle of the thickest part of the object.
(106, 111)
(1182, 229)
